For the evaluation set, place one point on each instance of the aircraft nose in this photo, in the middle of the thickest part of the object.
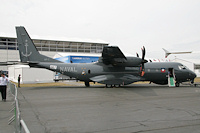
(192, 75)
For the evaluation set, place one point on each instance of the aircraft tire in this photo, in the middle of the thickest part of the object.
(87, 84)
(117, 86)
(177, 84)
(108, 86)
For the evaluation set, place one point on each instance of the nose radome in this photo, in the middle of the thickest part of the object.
(192, 75)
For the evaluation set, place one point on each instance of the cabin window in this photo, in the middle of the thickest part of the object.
(89, 71)
(182, 67)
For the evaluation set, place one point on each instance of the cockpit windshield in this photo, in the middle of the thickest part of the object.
(182, 67)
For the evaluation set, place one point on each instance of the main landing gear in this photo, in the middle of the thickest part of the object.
(111, 86)
(87, 84)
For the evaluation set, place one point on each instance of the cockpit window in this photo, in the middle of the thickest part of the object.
(182, 67)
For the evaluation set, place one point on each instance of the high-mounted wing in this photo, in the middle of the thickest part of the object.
(112, 55)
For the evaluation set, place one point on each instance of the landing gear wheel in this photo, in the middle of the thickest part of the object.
(108, 86)
(177, 84)
(87, 84)
(117, 86)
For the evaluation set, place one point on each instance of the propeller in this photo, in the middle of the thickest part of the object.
(143, 61)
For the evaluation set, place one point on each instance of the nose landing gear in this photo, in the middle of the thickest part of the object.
(177, 84)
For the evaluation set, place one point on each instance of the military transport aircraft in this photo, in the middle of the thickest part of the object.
(112, 68)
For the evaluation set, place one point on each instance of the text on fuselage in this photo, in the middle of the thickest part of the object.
(68, 69)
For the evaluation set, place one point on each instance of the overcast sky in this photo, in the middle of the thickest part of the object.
(129, 24)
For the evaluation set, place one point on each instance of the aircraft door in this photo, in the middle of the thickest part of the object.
(171, 77)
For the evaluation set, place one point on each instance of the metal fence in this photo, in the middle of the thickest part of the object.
(20, 125)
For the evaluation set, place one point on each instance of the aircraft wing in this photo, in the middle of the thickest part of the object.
(112, 55)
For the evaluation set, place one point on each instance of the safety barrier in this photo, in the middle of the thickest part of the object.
(20, 125)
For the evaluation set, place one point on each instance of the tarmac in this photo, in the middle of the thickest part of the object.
(136, 108)
(5, 114)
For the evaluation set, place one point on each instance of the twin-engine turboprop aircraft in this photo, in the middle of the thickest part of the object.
(112, 68)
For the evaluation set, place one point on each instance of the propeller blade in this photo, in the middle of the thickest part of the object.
(143, 61)
(143, 53)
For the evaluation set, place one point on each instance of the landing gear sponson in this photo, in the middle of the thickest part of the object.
(87, 84)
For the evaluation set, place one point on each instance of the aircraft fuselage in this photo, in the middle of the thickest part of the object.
(108, 74)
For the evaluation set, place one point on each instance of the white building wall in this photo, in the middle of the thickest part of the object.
(8, 55)
(197, 72)
(30, 75)
(14, 71)
(11, 72)
(18, 71)
(37, 75)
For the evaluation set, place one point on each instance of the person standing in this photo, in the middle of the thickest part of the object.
(3, 86)
(19, 78)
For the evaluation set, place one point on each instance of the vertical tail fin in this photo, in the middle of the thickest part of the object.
(166, 53)
(27, 49)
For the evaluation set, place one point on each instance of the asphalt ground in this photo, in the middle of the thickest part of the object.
(136, 108)
(6, 114)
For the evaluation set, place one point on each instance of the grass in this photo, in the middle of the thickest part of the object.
(197, 79)
(43, 84)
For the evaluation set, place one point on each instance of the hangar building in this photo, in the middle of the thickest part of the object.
(84, 51)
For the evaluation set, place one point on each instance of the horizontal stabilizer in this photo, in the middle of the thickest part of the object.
(17, 63)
